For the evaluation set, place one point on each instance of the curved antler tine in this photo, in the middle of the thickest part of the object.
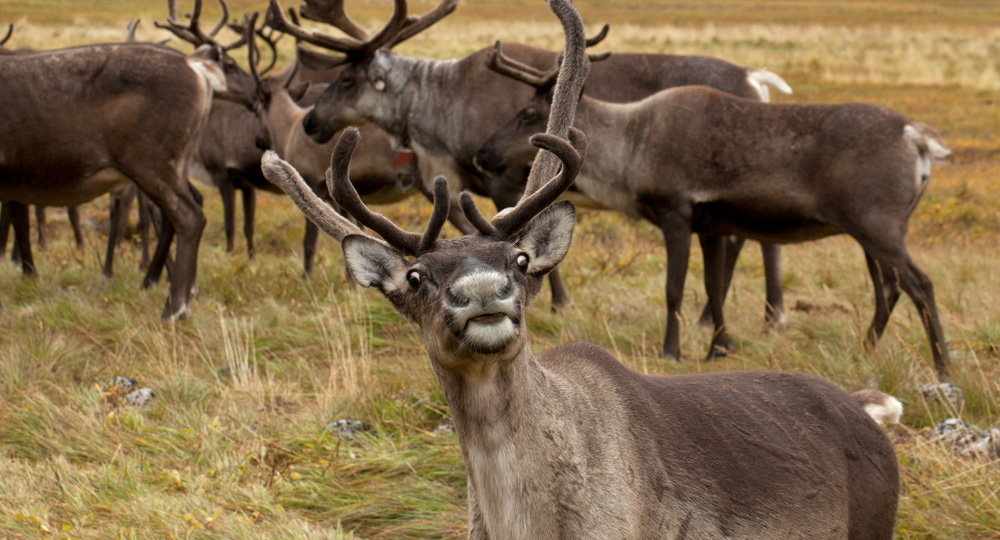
(222, 21)
(599, 37)
(572, 74)
(10, 32)
(389, 31)
(130, 28)
(476, 218)
(282, 174)
(571, 153)
(339, 183)
(276, 19)
(505, 65)
(414, 27)
(442, 203)
(332, 12)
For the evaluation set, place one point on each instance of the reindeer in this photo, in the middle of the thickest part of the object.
(279, 116)
(447, 109)
(571, 444)
(696, 160)
(91, 117)
(227, 157)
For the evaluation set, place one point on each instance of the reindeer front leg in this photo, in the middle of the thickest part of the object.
(676, 229)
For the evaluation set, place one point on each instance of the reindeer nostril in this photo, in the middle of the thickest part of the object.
(457, 300)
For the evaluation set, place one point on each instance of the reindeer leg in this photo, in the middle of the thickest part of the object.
(118, 214)
(73, 213)
(188, 221)
(19, 217)
(309, 247)
(146, 219)
(733, 245)
(893, 263)
(249, 209)
(774, 311)
(714, 250)
(40, 225)
(886, 295)
(4, 227)
(228, 193)
(677, 237)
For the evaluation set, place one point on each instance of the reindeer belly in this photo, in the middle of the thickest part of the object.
(774, 225)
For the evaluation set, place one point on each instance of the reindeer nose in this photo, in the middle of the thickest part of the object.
(478, 284)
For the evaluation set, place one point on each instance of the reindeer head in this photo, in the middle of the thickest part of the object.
(373, 79)
(508, 147)
(467, 294)
(239, 84)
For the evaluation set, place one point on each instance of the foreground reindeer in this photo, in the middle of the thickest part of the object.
(571, 444)
(696, 160)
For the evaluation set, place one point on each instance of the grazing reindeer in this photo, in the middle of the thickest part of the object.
(447, 109)
(696, 160)
(227, 156)
(571, 444)
(91, 117)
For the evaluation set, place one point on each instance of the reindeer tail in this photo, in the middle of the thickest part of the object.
(882, 407)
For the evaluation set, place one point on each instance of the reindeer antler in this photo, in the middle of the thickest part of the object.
(343, 191)
(10, 32)
(540, 79)
(192, 32)
(357, 44)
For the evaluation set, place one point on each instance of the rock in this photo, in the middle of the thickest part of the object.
(142, 397)
(447, 426)
(967, 440)
(945, 392)
(347, 429)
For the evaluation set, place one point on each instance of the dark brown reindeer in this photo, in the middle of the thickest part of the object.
(571, 444)
(91, 117)
(280, 111)
(447, 109)
(696, 160)
(227, 157)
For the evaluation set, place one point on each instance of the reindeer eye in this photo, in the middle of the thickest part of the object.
(346, 81)
(522, 262)
(413, 278)
(530, 116)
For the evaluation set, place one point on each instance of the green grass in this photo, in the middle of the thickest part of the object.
(236, 443)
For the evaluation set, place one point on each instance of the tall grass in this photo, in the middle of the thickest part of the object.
(238, 442)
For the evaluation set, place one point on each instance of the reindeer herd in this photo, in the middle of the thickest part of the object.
(689, 143)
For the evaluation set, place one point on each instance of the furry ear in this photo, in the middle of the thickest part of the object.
(546, 239)
(374, 263)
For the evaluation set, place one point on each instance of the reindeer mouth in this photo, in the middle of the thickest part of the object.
(488, 318)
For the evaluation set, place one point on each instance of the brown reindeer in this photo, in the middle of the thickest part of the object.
(696, 160)
(91, 117)
(571, 444)
(447, 109)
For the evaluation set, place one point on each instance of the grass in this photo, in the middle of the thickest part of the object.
(237, 445)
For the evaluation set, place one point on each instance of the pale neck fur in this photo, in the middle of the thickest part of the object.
(520, 432)
(605, 172)
(283, 115)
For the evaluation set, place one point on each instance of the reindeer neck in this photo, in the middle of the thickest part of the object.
(283, 115)
(604, 177)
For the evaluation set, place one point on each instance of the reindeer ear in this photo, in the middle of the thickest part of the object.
(547, 237)
(374, 263)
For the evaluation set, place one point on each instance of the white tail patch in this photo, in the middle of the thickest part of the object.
(761, 79)
(882, 407)
(929, 147)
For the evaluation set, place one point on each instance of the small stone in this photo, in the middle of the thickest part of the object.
(945, 392)
(120, 385)
(141, 397)
(447, 426)
(347, 429)
(967, 440)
